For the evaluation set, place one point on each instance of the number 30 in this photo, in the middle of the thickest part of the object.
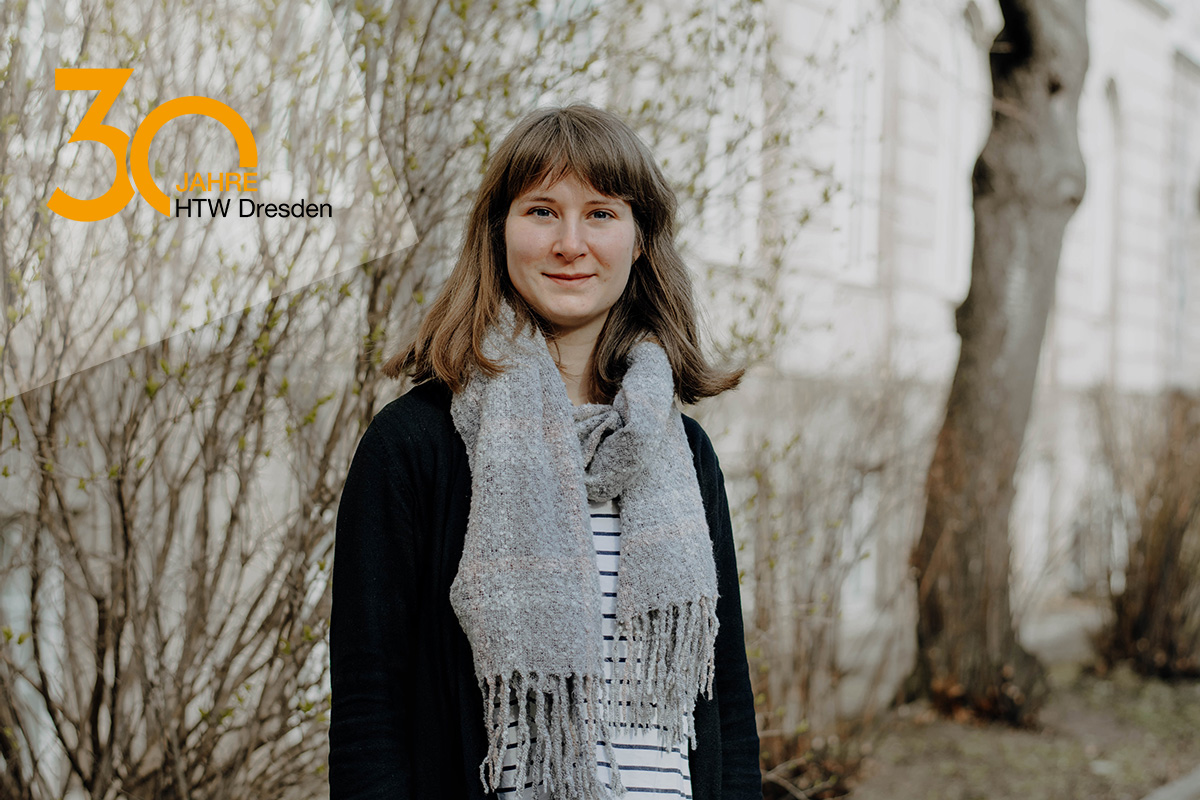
(109, 83)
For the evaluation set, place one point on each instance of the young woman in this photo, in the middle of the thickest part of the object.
(535, 593)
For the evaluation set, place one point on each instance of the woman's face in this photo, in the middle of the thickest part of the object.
(569, 250)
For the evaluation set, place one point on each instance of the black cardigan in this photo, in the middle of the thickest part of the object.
(407, 713)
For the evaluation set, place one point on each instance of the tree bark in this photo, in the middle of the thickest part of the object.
(1027, 182)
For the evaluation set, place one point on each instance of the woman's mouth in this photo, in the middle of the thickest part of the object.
(566, 279)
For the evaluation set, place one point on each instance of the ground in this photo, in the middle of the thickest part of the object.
(1116, 737)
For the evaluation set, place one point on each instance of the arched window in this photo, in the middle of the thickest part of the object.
(964, 121)
(1183, 248)
(1108, 217)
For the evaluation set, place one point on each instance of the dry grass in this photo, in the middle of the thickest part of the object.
(1116, 737)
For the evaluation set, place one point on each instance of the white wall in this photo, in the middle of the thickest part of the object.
(873, 281)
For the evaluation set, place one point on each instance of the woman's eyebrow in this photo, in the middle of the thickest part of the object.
(544, 199)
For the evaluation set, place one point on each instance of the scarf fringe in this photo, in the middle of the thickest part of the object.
(556, 736)
(669, 655)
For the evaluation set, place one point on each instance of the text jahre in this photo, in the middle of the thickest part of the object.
(222, 181)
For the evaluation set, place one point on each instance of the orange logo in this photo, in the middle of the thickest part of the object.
(109, 83)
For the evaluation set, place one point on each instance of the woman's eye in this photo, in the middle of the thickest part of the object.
(601, 214)
(540, 212)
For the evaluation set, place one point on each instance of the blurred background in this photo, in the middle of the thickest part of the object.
(967, 524)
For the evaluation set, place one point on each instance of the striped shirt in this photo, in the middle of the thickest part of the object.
(649, 768)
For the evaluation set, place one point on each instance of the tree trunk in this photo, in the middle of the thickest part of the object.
(1027, 183)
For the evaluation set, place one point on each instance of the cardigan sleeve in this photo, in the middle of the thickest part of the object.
(741, 778)
(371, 623)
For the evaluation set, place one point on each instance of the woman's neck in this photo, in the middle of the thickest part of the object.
(574, 358)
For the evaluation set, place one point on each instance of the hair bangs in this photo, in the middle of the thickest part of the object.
(558, 145)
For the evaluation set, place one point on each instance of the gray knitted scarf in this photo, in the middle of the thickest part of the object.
(527, 592)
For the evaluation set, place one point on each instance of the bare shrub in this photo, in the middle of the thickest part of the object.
(829, 515)
(1155, 597)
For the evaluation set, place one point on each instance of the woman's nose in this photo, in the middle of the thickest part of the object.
(570, 244)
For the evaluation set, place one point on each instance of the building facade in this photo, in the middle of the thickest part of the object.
(872, 283)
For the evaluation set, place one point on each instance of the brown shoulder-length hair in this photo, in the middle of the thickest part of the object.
(600, 150)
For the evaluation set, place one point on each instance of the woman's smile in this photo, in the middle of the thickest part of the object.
(566, 280)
